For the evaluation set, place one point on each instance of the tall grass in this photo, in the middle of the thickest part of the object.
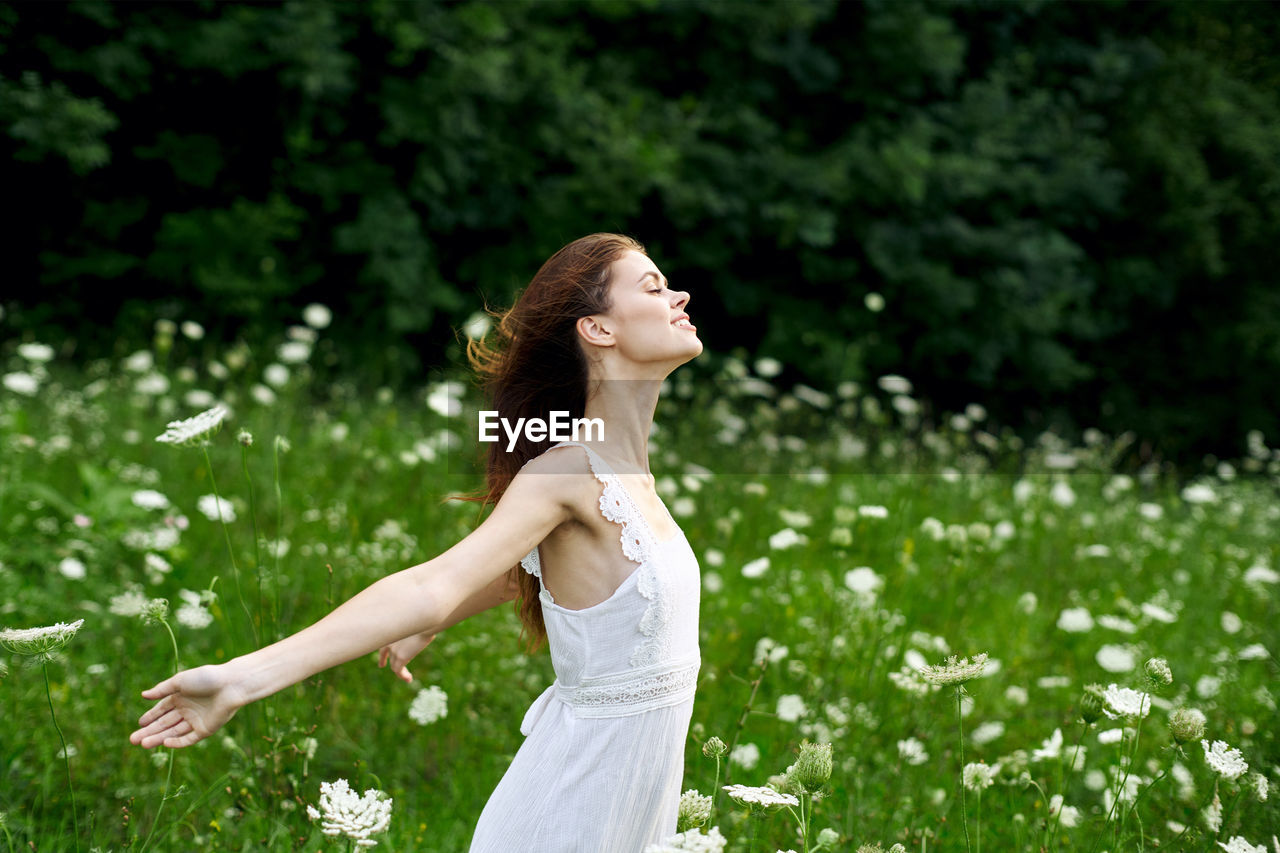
(913, 536)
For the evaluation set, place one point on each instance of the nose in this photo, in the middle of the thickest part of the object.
(682, 298)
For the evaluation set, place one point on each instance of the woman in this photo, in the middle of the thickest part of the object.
(601, 569)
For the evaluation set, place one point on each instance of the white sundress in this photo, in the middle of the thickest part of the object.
(602, 762)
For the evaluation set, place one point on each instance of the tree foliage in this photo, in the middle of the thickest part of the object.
(1071, 209)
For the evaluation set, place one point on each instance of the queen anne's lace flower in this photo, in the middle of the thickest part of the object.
(429, 705)
(694, 810)
(1227, 763)
(692, 841)
(1238, 844)
(978, 776)
(766, 797)
(195, 431)
(955, 670)
(39, 642)
(341, 812)
(1125, 702)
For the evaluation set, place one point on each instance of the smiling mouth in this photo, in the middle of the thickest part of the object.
(684, 324)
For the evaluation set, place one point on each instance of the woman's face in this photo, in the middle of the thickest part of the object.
(649, 321)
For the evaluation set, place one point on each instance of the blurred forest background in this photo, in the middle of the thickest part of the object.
(1069, 211)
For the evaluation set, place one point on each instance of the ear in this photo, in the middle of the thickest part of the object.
(593, 331)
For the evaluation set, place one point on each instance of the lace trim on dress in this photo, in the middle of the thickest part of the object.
(635, 692)
(638, 544)
(532, 563)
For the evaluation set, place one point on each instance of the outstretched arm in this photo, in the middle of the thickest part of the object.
(399, 653)
(421, 599)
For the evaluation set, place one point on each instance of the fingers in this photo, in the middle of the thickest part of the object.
(164, 688)
(404, 675)
(382, 656)
(184, 740)
(156, 711)
(159, 728)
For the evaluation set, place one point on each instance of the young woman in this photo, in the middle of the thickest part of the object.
(601, 570)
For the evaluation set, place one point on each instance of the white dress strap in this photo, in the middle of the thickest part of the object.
(637, 539)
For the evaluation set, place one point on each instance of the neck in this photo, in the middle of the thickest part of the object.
(626, 408)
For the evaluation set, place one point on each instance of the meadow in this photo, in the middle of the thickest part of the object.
(851, 542)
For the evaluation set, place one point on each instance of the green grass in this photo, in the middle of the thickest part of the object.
(358, 500)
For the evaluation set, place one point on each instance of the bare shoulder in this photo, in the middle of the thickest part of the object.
(565, 474)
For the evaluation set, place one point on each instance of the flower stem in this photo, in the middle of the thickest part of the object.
(66, 757)
(964, 807)
(275, 568)
(164, 796)
(253, 518)
(1051, 828)
(746, 709)
(235, 568)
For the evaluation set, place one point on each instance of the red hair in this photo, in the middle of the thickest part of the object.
(538, 366)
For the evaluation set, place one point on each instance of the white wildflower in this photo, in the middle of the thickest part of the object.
(894, 384)
(1117, 623)
(276, 375)
(1199, 493)
(194, 431)
(341, 812)
(745, 755)
(140, 362)
(1110, 736)
(979, 775)
(766, 797)
(39, 642)
(767, 646)
(149, 499)
(36, 352)
(1261, 573)
(1062, 494)
(1075, 620)
(1051, 748)
(71, 568)
(791, 708)
(294, 352)
(694, 809)
(215, 508)
(1227, 763)
(429, 705)
(912, 751)
(691, 841)
(955, 670)
(768, 367)
(1238, 844)
(987, 732)
(872, 511)
(863, 579)
(756, 568)
(786, 538)
(21, 383)
(1156, 613)
(1068, 816)
(1125, 702)
(193, 613)
(318, 316)
(1116, 658)
(1212, 814)
(132, 602)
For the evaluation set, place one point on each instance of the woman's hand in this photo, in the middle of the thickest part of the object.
(399, 653)
(193, 704)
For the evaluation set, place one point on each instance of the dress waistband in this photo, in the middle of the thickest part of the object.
(621, 694)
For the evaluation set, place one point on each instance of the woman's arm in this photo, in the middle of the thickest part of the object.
(422, 599)
(402, 651)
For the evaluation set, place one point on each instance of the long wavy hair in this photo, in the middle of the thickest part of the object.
(537, 365)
